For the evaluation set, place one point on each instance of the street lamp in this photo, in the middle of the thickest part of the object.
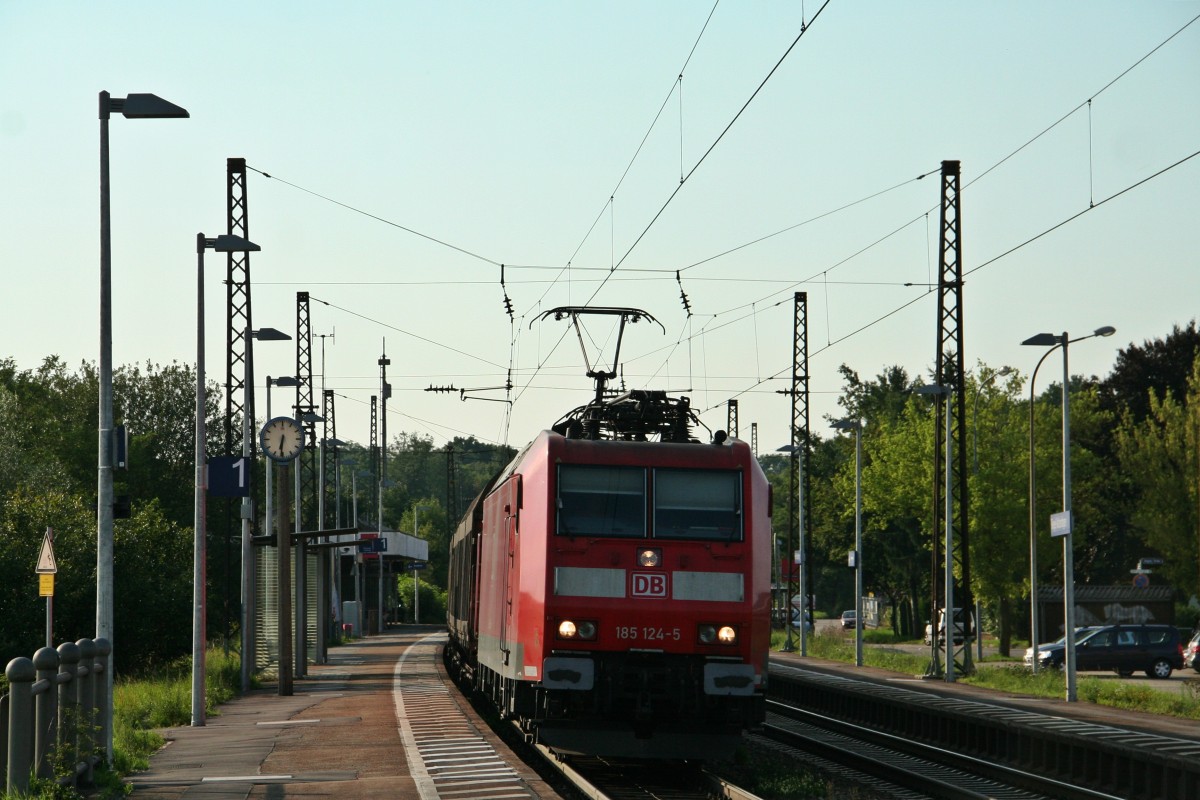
(1054, 341)
(301, 553)
(268, 517)
(268, 488)
(948, 606)
(333, 561)
(135, 106)
(856, 426)
(225, 243)
(248, 452)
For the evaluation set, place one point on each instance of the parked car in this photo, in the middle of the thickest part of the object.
(1080, 633)
(959, 620)
(808, 624)
(1191, 652)
(849, 619)
(1125, 649)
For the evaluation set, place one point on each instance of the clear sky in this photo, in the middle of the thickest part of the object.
(415, 147)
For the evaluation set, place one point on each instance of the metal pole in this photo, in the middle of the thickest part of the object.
(948, 613)
(301, 606)
(199, 599)
(104, 488)
(1068, 550)
(858, 549)
(379, 555)
(1033, 592)
(247, 617)
(284, 622)
(416, 574)
(50, 601)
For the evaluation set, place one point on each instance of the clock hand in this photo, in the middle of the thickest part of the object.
(282, 437)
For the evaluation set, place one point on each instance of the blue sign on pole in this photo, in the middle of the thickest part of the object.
(229, 476)
(417, 565)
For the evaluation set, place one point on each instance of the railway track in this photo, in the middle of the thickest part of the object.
(898, 767)
(1005, 740)
(604, 779)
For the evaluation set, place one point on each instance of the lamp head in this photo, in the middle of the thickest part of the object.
(228, 243)
(147, 106)
(283, 380)
(140, 106)
(1043, 340)
(1107, 330)
(269, 335)
(846, 424)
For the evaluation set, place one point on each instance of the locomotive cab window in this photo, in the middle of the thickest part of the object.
(697, 504)
(601, 501)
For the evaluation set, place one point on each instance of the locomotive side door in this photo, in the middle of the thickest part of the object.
(510, 494)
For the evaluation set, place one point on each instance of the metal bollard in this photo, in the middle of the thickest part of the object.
(45, 661)
(87, 706)
(104, 706)
(20, 673)
(68, 703)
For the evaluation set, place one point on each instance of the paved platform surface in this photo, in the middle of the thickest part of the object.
(339, 735)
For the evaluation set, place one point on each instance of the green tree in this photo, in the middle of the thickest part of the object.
(1159, 365)
(998, 490)
(430, 519)
(1161, 455)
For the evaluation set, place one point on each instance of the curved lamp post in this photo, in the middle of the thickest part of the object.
(1054, 341)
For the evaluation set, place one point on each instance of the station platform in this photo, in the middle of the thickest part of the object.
(376, 721)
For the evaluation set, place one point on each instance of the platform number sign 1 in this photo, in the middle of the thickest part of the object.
(229, 476)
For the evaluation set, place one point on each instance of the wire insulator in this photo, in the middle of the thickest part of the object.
(683, 298)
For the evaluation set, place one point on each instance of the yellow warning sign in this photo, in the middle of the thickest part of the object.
(46, 584)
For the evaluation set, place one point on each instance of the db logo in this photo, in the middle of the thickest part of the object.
(649, 584)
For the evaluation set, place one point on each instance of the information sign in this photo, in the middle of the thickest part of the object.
(46, 584)
(229, 476)
(1060, 523)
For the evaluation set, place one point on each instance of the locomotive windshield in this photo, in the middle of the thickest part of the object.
(697, 504)
(612, 501)
(601, 501)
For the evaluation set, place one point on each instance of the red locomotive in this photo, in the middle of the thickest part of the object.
(610, 588)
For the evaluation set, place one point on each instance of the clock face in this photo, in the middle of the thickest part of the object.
(282, 439)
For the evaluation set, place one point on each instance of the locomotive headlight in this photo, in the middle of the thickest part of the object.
(717, 634)
(577, 629)
(649, 557)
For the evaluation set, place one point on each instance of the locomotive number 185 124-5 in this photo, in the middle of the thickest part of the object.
(648, 633)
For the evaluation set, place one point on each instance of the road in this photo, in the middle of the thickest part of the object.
(1184, 682)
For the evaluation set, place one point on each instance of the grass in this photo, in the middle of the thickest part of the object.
(1102, 691)
(141, 705)
(836, 645)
